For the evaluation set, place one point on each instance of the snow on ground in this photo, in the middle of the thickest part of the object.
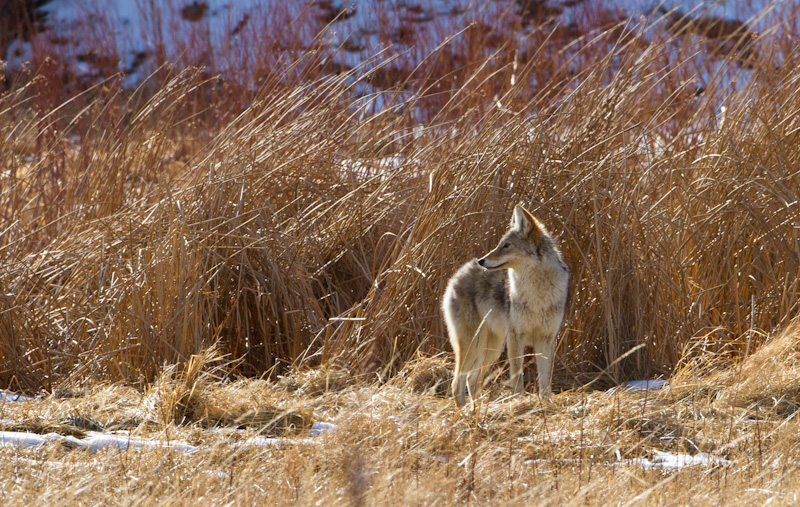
(97, 441)
(318, 428)
(93, 442)
(364, 170)
(658, 461)
(641, 385)
(670, 461)
(10, 396)
(100, 37)
(134, 30)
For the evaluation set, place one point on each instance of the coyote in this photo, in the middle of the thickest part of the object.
(519, 291)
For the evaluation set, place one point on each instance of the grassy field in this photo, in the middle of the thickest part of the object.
(404, 443)
(203, 253)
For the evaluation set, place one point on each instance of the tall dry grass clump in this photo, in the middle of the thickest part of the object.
(312, 228)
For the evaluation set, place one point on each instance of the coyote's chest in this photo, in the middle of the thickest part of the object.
(536, 299)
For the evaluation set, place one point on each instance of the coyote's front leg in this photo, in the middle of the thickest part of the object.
(516, 351)
(545, 348)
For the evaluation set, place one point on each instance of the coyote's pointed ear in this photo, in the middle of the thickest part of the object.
(526, 224)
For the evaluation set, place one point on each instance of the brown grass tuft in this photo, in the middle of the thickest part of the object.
(428, 375)
(195, 396)
(769, 378)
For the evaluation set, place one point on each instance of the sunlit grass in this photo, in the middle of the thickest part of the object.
(307, 236)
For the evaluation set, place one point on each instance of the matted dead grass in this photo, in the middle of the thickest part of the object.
(401, 442)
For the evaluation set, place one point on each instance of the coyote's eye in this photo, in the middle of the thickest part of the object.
(507, 245)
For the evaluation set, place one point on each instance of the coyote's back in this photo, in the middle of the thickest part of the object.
(516, 295)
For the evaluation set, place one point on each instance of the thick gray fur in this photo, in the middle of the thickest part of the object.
(515, 296)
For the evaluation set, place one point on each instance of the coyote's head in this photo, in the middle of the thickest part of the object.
(526, 241)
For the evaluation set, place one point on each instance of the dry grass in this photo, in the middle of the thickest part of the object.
(305, 236)
(396, 445)
(288, 236)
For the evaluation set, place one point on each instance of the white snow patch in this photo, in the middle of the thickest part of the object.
(669, 461)
(101, 441)
(96, 441)
(93, 443)
(659, 460)
(278, 442)
(641, 385)
(6, 395)
(24, 439)
(553, 436)
(541, 461)
(319, 427)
